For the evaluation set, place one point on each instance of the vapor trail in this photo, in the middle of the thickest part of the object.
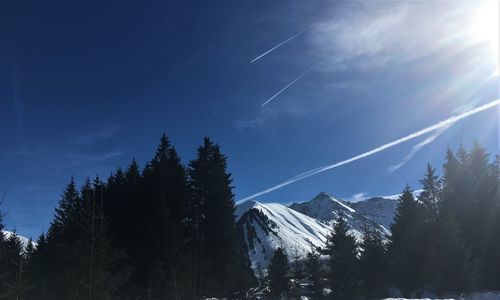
(283, 89)
(279, 45)
(417, 148)
(445, 123)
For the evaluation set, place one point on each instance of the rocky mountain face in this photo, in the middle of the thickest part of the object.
(301, 226)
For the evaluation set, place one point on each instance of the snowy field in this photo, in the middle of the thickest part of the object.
(495, 295)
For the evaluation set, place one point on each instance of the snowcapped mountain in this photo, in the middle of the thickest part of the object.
(271, 225)
(301, 226)
(24, 240)
(378, 209)
(327, 208)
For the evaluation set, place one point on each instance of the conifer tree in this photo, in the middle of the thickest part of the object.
(451, 264)
(165, 187)
(312, 268)
(37, 270)
(14, 284)
(213, 229)
(77, 260)
(373, 264)
(278, 273)
(3, 253)
(343, 263)
(429, 197)
(406, 259)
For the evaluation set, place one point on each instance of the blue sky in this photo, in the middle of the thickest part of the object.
(85, 87)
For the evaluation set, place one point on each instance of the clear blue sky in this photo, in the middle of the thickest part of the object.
(84, 87)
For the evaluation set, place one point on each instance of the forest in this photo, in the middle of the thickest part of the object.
(168, 231)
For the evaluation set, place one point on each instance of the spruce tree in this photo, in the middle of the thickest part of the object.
(76, 260)
(429, 197)
(217, 259)
(373, 264)
(451, 265)
(278, 273)
(406, 259)
(343, 263)
(37, 270)
(14, 283)
(312, 268)
(166, 191)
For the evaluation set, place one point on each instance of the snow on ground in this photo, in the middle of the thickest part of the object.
(490, 295)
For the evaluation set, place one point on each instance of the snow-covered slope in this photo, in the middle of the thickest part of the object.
(327, 208)
(378, 209)
(269, 226)
(24, 240)
(301, 226)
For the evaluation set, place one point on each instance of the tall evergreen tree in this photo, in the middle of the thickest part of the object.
(406, 259)
(76, 260)
(312, 268)
(213, 228)
(166, 238)
(343, 263)
(373, 264)
(429, 197)
(450, 269)
(278, 273)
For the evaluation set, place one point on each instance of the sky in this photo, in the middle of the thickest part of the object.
(284, 87)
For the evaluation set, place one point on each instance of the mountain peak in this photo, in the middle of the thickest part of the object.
(243, 207)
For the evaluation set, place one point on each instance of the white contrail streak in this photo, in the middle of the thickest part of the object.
(445, 123)
(283, 89)
(279, 45)
(417, 148)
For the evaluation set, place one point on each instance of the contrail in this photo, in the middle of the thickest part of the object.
(279, 45)
(445, 123)
(417, 148)
(287, 86)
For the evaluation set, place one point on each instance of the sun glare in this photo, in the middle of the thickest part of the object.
(486, 25)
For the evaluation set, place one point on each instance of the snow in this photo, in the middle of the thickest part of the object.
(377, 209)
(327, 208)
(24, 240)
(488, 295)
(279, 226)
(342, 204)
(243, 207)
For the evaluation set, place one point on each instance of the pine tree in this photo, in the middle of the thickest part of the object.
(429, 197)
(278, 273)
(373, 264)
(165, 187)
(4, 271)
(213, 229)
(14, 283)
(77, 260)
(451, 265)
(37, 270)
(296, 265)
(406, 258)
(343, 263)
(312, 268)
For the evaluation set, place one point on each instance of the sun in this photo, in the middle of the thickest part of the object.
(485, 24)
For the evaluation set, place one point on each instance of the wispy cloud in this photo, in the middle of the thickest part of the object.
(358, 197)
(101, 134)
(445, 123)
(279, 45)
(370, 34)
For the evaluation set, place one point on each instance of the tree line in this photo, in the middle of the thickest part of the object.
(167, 231)
(445, 241)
